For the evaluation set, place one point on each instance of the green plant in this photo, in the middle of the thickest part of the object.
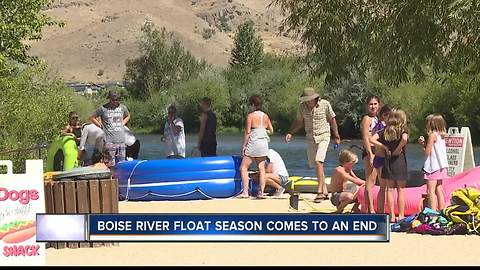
(248, 48)
(21, 22)
(162, 63)
(208, 33)
(27, 120)
(188, 95)
(395, 39)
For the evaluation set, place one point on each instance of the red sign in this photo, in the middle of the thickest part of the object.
(451, 141)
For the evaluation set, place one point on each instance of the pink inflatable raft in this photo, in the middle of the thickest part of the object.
(413, 195)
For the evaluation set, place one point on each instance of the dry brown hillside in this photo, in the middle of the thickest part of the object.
(99, 35)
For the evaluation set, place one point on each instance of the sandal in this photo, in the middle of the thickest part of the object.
(320, 198)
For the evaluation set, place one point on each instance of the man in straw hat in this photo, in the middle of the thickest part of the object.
(318, 118)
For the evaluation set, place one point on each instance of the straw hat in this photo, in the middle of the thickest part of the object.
(308, 94)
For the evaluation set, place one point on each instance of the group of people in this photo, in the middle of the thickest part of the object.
(314, 114)
(107, 132)
(384, 135)
(174, 132)
(385, 139)
(112, 140)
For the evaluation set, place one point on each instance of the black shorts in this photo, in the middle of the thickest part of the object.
(208, 149)
(133, 150)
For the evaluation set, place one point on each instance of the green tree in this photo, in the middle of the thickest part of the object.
(163, 62)
(396, 39)
(27, 120)
(248, 48)
(21, 21)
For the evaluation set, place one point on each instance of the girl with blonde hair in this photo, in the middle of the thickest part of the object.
(394, 171)
(436, 162)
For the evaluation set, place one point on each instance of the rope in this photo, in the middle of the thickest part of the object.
(473, 223)
(291, 209)
(185, 194)
(129, 180)
(309, 204)
(165, 195)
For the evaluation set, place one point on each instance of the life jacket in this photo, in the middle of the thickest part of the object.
(465, 208)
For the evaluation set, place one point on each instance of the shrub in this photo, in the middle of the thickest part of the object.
(28, 120)
(163, 62)
(247, 47)
(149, 115)
(187, 97)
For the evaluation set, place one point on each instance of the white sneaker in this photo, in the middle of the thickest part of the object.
(278, 192)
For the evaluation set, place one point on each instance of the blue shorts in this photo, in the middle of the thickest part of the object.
(378, 162)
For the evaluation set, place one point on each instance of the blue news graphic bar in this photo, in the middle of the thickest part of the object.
(238, 227)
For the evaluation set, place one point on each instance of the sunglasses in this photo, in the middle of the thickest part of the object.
(74, 117)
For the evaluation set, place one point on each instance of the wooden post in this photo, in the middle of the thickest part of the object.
(49, 206)
(95, 203)
(59, 205)
(70, 203)
(83, 203)
(106, 199)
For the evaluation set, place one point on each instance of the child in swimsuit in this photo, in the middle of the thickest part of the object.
(345, 183)
(378, 161)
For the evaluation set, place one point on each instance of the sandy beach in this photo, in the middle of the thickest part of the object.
(403, 249)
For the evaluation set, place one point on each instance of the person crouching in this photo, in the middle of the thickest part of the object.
(345, 183)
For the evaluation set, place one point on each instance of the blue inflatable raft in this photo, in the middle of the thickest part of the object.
(179, 179)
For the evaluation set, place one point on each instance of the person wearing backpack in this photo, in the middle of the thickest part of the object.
(436, 162)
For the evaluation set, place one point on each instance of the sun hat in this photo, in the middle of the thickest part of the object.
(308, 94)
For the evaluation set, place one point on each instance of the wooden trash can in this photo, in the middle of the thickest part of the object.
(81, 197)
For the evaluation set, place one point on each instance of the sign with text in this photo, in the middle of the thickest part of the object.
(459, 150)
(238, 227)
(21, 198)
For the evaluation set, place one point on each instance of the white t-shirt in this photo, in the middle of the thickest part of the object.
(129, 137)
(92, 135)
(277, 163)
(174, 144)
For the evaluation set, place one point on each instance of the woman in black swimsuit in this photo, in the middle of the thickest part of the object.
(74, 128)
(369, 121)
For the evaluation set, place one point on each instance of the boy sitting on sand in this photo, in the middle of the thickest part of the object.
(345, 183)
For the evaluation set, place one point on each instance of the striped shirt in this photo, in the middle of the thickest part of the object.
(317, 121)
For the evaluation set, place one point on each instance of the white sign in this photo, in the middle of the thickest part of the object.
(21, 198)
(459, 150)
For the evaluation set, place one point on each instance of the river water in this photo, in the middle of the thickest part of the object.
(294, 153)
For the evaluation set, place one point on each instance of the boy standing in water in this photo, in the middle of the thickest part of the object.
(345, 183)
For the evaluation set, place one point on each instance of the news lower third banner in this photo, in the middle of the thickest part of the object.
(213, 227)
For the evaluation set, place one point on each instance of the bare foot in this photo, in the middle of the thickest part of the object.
(242, 196)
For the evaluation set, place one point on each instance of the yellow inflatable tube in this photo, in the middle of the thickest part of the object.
(62, 154)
